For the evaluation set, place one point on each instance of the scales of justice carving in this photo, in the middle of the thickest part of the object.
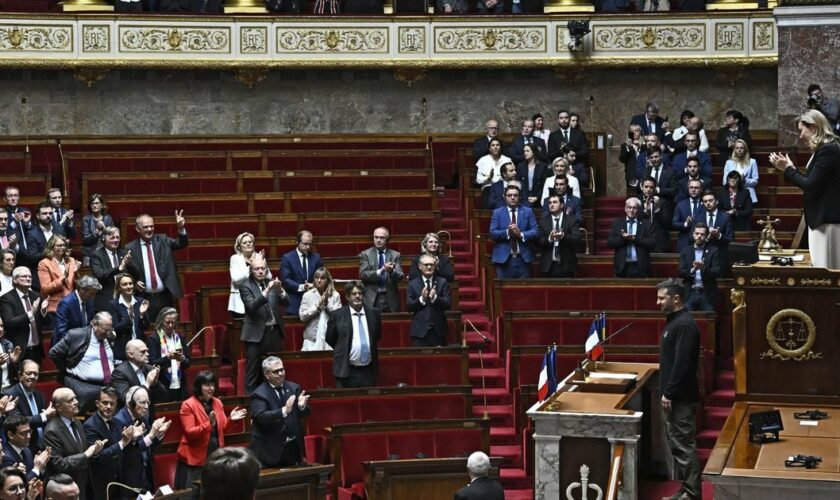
(791, 334)
(584, 486)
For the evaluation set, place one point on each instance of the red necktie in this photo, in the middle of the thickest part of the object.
(106, 368)
(152, 271)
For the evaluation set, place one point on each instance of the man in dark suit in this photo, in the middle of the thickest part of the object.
(24, 314)
(16, 450)
(659, 211)
(650, 121)
(571, 203)
(101, 426)
(76, 309)
(8, 238)
(567, 138)
(153, 265)
(31, 403)
(428, 299)
(62, 217)
(136, 370)
(497, 193)
(516, 152)
(262, 326)
(512, 228)
(130, 320)
(559, 236)
(687, 212)
(481, 146)
(276, 408)
(666, 182)
(679, 160)
(652, 143)
(136, 468)
(354, 332)
(481, 487)
(106, 262)
(380, 271)
(700, 268)
(632, 239)
(70, 452)
(297, 269)
(20, 218)
(692, 169)
(721, 232)
(85, 358)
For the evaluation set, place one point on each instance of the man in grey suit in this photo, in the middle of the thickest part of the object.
(354, 332)
(85, 359)
(153, 265)
(380, 271)
(65, 436)
(262, 326)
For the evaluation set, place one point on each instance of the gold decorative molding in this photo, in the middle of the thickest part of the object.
(736, 296)
(96, 38)
(181, 39)
(309, 40)
(89, 76)
(764, 35)
(408, 76)
(86, 6)
(253, 39)
(765, 281)
(815, 282)
(250, 76)
(36, 38)
(675, 37)
(472, 39)
(729, 36)
(412, 39)
(245, 7)
(791, 334)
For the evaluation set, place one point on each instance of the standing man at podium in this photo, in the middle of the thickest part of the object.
(678, 356)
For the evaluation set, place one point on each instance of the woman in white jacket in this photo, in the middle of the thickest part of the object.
(240, 269)
(314, 308)
(744, 165)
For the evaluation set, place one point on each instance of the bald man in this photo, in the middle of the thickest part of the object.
(137, 371)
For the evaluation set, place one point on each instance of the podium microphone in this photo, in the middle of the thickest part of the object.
(480, 360)
(140, 492)
(198, 334)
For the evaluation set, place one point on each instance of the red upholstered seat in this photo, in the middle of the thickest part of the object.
(164, 469)
(384, 410)
(408, 444)
(393, 371)
(437, 407)
(356, 448)
(439, 370)
(457, 443)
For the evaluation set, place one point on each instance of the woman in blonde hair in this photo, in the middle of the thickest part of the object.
(57, 271)
(239, 271)
(819, 184)
(744, 165)
(431, 246)
(315, 307)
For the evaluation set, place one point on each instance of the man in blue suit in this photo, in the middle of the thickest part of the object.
(102, 426)
(650, 121)
(497, 193)
(679, 160)
(62, 217)
(297, 269)
(16, 450)
(76, 309)
(687, 212)
(511, 228)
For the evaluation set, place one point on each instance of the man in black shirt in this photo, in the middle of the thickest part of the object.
(679, 353)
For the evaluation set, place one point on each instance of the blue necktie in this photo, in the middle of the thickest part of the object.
(364, 355)
(34, 408)
(631, 248)
(381, 265)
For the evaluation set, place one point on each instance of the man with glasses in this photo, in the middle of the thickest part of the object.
(481, 146)
(16, 451)
(31, 403)
(512, 228)
(24, 314)
(136, 468)
(428, 299)
(632, 239)
(276, 408)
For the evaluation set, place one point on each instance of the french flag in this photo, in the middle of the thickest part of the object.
(547, 383)
(594, 348)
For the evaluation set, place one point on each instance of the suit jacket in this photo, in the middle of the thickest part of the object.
(819, 184)
(641, 120)
(18, 228)
(291, 273)
(481, 147)
(70, 350)
(11, 457)
(682, 187)
(258, 310)
(727, 235)
(104, 271)
(124, 327)
(681, 213)
(483, 488)
(106, 466)
(431, 314)
(540, 174)
(709, 274)
(645, 243)
(567, 246)
(136, 469)
(157, 358)
(269, 428)
(124, 377)
(680, 160)
(195, 438)
(15, 319)
(53, 285)
(577, 143)
(68, 453)
(642, 164)
(660, 217)
(497, 194)
(340, 337)
(90, 236)
(22, 408)
(571, 205)
(516, 151)
(162, 246)
(499, 223)
(368, 267)
(743, 208)
(68, 228)
(68, 315)
(667, 185)
(36, 241)
(444, 268)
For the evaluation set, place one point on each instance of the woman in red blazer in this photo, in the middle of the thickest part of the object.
(204, 422)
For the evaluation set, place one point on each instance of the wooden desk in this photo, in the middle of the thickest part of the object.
(753, 471)
(575, 428)
(419, 478)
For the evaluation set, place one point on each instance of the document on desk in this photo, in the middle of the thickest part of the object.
(614, 375)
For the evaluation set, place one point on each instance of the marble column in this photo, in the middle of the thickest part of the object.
(809, 52)
(547, 467)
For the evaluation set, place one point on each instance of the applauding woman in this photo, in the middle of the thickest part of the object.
(204, 422)
(57, 272)
(314, 310)
(167, 351)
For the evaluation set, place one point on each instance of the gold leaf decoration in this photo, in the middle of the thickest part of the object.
(313, 40)
(36, 38)
(190, 40)
(518, 39)
(621, 38)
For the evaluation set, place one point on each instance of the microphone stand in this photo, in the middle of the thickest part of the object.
(485, 341)
(198, 335)
(139, 491)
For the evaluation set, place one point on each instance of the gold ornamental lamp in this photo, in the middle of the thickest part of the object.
(245, 7)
